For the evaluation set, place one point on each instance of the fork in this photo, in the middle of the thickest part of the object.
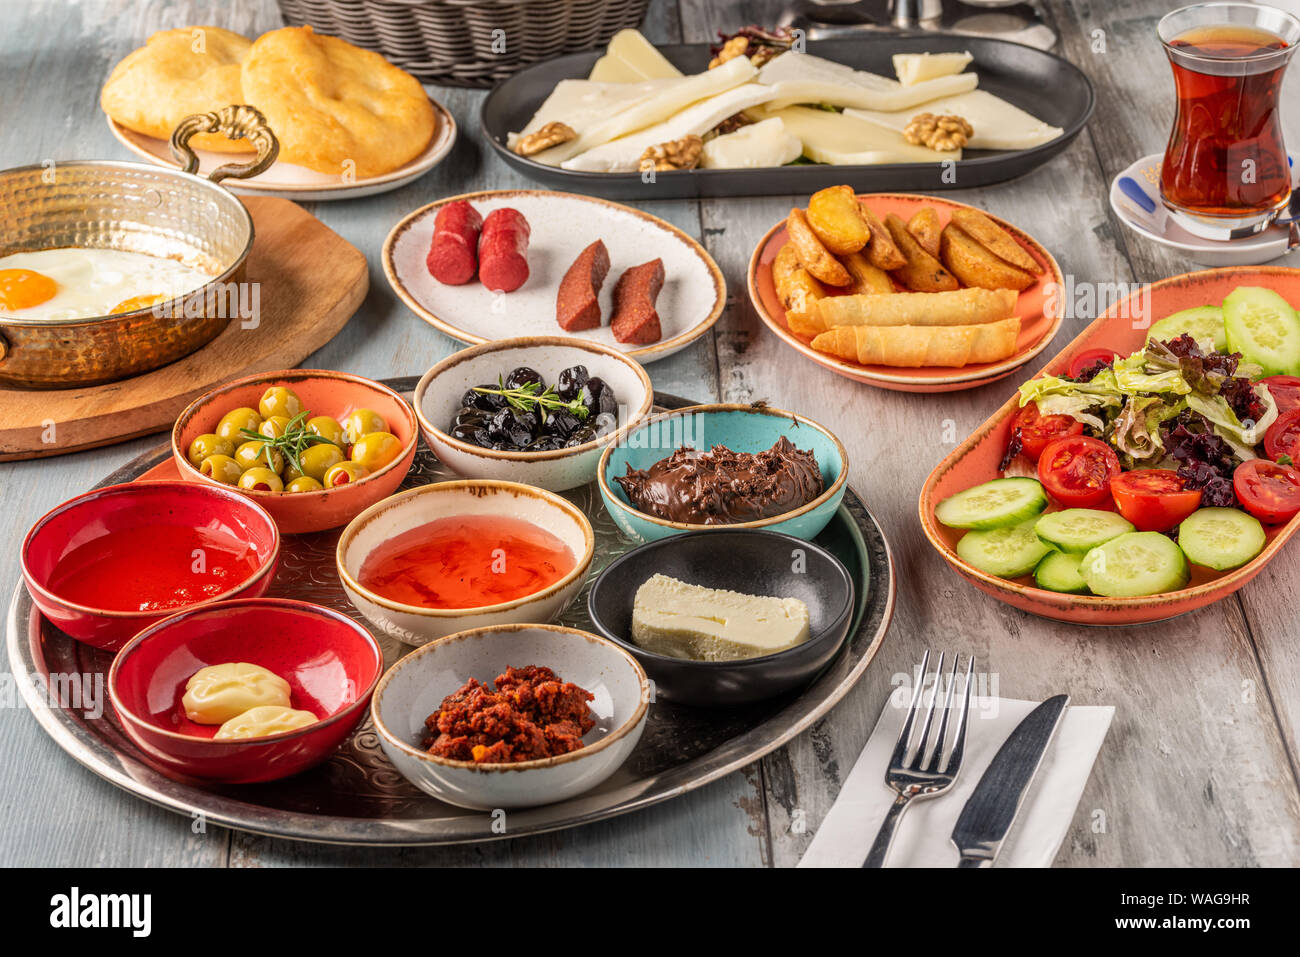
(915, 778)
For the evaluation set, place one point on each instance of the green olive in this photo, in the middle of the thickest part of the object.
(236, 419)
(278, 400)
(363, 422)
(326, 428)
(376, 449)
(274, 426)
(318, 459)
(221, 468)
(253, 454)
(209, 443)
(303, 483)
(261, 480)
(344, 473)
(289, 473)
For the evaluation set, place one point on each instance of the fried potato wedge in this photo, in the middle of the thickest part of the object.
(924, 226)
(921, 272)
(835, 215)
(961, 307)
(916, 346)
(996, 240)
(867, 279)
(798, 292)
(881, 250)
(812, 253)
(974, 265)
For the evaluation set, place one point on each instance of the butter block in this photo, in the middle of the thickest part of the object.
(674, 618)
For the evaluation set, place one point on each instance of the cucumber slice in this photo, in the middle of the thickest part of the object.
(1220, 538)
(1136, 563)
(1202, 323)
(1263, 327)
(1001, 502)
(1080, 529)
(1059, 571)
(1008, 552)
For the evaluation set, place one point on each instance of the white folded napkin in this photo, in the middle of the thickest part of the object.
(923, 838)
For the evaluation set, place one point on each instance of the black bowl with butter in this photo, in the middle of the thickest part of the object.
(751, 562)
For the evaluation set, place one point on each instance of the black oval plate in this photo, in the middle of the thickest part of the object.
(1051, 88)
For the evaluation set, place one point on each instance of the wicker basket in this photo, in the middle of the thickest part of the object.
(452, 41)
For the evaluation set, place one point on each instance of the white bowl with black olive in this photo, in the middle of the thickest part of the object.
(537, 410)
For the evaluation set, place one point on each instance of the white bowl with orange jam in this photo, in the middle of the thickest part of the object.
(443, 558)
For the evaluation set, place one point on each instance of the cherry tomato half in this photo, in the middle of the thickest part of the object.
(1283, 436)
(1076, 471)
(1089, 357)
(1037, 430)
(1285, 390)
(1154, 500)
(1269, 491)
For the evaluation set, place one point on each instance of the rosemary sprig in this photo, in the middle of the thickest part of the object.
(295, 440)
(526, 398)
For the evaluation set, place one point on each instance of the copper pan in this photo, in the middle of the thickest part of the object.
(137, 208)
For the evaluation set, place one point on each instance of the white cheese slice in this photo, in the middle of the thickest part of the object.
(861, 97)
(998, 125)
(630, 58)
(804, 67)
(844, 140)
(665, 104)
(671, 617)
(581, 104)
(760, 144)
(622, 155)
(912, 68)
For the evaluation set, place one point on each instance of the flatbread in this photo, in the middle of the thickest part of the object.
(175, 74)
(336, 108)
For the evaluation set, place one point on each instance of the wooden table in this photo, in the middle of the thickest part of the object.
(1200, 767)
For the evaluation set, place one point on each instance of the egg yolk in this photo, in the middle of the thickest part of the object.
(23, 288)
(138, 302)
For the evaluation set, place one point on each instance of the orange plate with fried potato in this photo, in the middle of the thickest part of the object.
(1039, 322)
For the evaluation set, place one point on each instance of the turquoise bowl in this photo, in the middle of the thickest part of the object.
(741, 428)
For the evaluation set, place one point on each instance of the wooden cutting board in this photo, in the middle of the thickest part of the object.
(311, 281)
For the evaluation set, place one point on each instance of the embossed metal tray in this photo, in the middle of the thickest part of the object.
(357, 797)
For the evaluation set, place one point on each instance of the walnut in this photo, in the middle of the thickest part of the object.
(731, 124)
(943, 133)
(736, 46)
(675, 154)
(552, 134)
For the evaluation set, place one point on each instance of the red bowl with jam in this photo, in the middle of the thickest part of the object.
(106, 564)
(331, 663)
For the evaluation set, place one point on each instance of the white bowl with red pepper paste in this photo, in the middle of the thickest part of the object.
(536, 410)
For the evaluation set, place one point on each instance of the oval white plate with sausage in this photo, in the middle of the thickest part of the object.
(561, 226)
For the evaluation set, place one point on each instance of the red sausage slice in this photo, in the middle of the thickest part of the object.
(503, 250)
(577, 304)
(635, 318)
(453, 254)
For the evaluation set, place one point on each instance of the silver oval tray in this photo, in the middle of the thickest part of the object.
(357, 797)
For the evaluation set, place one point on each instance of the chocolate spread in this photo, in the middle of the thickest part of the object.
(722, 487)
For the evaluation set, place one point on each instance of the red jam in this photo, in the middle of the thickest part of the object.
(466, 562)
(153, 568)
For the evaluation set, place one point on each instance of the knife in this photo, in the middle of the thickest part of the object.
(991, 810)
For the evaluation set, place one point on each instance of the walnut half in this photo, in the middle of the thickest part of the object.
(552, 134)
(942, 133)
(736, 46)
(675, 154)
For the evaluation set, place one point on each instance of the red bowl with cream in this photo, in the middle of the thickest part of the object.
(331, 663)
(106, 564)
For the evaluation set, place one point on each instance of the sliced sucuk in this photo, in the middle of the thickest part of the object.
(577, 304)
(635, 318)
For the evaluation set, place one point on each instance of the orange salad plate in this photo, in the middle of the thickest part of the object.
(1121, 328)
(1035, 307)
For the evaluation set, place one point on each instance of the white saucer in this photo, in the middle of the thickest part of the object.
(298, 182)
(1253, 250)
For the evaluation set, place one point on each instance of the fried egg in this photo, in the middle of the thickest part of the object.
(74, 283)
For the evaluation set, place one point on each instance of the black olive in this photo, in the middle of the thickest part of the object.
(475, 434)
(512, 426)
(605, 423)
(604, 398)
(571, 381)
(520, 377)
(562, 423)
(470, 416)
(483, 400)
(580, 436)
